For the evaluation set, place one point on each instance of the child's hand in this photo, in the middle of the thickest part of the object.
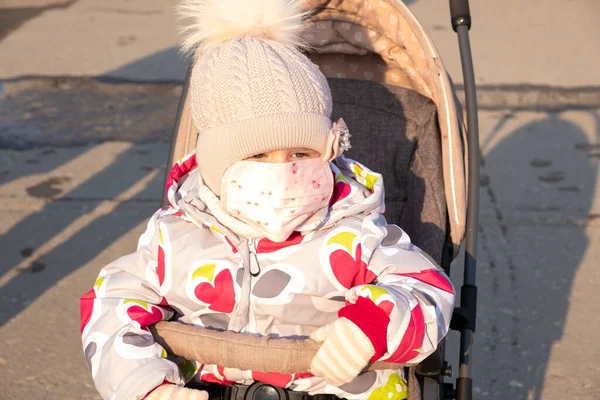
(174, 392)
(345, 351)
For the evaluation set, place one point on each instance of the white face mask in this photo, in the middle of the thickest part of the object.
(275, 198)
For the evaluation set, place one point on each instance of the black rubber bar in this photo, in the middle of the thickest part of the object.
(474, 156)
(460, 13)
(463, 390)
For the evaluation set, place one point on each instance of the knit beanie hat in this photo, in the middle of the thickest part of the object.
(252, 90)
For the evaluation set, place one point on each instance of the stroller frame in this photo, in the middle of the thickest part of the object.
(435, 368)
(464, 317)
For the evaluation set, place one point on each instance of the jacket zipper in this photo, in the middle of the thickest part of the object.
(254, 266)
(254, 272)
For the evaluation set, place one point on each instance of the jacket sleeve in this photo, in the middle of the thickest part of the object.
(401, 299)
(124, 360)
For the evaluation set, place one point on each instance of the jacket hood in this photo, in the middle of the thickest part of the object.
(357, 190)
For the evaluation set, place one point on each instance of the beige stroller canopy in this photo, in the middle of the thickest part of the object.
(382, 41)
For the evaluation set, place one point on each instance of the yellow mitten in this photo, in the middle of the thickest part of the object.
(345, 352)
(174, 392)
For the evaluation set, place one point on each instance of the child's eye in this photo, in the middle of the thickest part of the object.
(299, 155)
(258, 156)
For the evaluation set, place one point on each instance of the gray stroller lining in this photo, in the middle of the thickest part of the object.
(395, 132)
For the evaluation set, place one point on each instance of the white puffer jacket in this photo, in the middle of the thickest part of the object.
(192, 267)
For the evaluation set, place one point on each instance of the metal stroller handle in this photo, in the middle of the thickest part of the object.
(465, 315)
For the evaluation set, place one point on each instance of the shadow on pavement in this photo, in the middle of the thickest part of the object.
(161, 66)
(535, 245)
(44, 272)
(66, 112)
(72, 113)
(39, 163)
(12, 18)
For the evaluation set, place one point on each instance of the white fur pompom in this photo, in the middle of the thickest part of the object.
(209, 23)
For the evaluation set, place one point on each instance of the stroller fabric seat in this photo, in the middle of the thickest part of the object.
(395, 132)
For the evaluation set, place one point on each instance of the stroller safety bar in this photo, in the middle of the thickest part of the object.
(244, 352)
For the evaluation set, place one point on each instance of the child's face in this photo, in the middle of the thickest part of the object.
(283, 156)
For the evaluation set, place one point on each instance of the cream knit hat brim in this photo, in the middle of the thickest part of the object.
(222, 146)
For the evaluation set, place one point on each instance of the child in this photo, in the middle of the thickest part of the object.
(270, 231)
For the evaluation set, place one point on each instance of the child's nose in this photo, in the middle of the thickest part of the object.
(279, 157)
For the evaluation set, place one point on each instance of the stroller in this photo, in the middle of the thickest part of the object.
(389, 84)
